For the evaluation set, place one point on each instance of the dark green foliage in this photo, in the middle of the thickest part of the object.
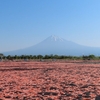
(89, 57)
(39, 57)
(1, 55)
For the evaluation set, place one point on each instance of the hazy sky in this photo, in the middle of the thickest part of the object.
(24, 23)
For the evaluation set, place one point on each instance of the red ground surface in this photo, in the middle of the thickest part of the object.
(49, 80)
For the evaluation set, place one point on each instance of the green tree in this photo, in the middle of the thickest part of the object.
(91, 57)
(1, 55)
(39, 56)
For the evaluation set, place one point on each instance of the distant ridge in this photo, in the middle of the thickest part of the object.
(56, 45)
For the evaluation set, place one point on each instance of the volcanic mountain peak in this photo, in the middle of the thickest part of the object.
(56, 45)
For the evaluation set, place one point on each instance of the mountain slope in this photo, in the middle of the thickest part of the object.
(56, 45)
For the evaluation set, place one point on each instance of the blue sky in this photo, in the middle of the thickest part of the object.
(24, 23)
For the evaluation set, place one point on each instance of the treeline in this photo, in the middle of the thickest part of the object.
(89, 57)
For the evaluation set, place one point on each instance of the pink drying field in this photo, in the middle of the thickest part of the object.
(49, 80)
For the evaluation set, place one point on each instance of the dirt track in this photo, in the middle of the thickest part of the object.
(49, 81)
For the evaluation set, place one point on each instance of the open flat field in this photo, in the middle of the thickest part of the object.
(49, 80)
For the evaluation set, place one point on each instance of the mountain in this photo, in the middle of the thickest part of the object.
(56, 45)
